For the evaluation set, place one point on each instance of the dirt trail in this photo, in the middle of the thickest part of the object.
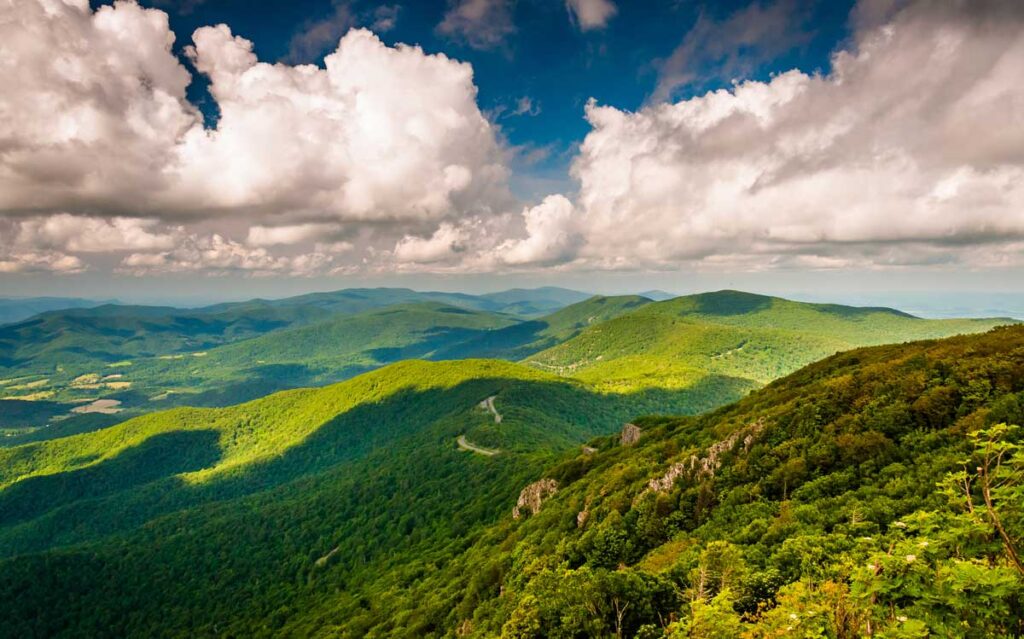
(464, 444)
(488, 404)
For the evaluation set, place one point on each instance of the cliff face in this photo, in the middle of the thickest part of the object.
(531, 497)
(697, 467)
(630, 435)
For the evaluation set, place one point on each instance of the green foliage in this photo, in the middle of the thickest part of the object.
(875, 493)
(833, 503)
(728, 333)
(150, 358)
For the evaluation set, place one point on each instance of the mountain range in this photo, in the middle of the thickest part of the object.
(616, 467)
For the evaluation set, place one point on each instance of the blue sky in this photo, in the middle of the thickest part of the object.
(807, 147)
(546, 59)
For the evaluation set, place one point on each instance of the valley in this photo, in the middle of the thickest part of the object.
(360, 504)
(151, 358)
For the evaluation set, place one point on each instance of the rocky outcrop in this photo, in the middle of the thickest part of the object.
(531, 497)
(630, 435)
(588, 450)
(697, 467)
(583, 515)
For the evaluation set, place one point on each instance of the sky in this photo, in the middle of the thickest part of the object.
(837, 149)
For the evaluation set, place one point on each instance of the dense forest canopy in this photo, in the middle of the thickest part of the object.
(874, 493)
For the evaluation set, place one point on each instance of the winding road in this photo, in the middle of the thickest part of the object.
(464, 444)
(488, 404)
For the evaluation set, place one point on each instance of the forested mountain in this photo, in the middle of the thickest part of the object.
(826, 504)
(15, 309)
(144, 358)
(879, 492)
(200, 510)
(753, 337)
(82, 369)
(533, 302)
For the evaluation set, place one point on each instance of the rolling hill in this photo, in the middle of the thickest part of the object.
(67, 365)
(406, 460)
(15, 309)
(355, 509)
(831, 503)
(753, 337)
(145, 358)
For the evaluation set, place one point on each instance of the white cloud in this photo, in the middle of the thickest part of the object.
(35, 261)
(80, 131)
(552, 235)
(914, 138)
(217, 255)
(447, 242)
(79, 234)
(381, 133)
(591, 14)
(910, 151)
(292, 234)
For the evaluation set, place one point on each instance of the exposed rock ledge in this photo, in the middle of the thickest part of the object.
(630, 435)
(531, 497)
(697, 467)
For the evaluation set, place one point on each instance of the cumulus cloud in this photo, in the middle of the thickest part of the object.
(552, 235)
(100, 150)
(34, 262)
(482, 24)
(84, 132)
(591, 14)
(80, 234)
(909, 151)
(217, 255)
(379, 133)
(446, 243)
(291, 234)
(914, 139)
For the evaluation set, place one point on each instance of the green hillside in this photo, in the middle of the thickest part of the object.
(381, 507)
(533, 302)
(676, 342)
(16, 309)
(64, 366)
(214, 507)
(832, 503)
(518, 301)
(523, 339)
(55, 366)
(314, 350)
(110, 333)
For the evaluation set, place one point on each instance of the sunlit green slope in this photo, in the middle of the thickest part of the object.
(676, 342)
(315, 350)
(829, 504)
(67, 489)
(520, 340)
(381, 507)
